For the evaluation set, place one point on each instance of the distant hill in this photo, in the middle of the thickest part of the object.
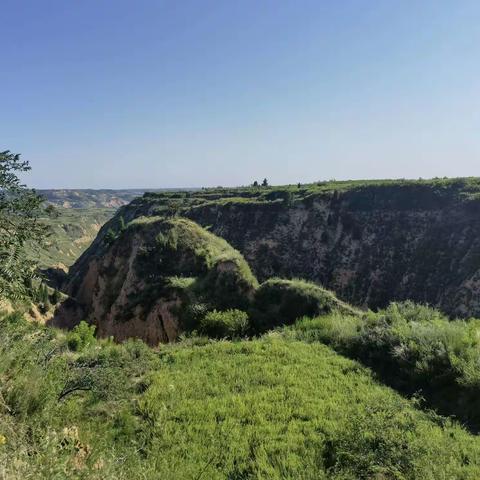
(90, 198)
(72, 231)
(78, 218)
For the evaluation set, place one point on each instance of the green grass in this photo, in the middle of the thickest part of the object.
(413, 348)
(72, 231)
(466, 188)
(271, 408)
(280, 302)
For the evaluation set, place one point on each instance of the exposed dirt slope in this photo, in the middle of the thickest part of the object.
(142, 281)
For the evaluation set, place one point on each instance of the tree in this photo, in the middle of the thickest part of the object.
(51, 211)
(265, 183)
(20, 212)
(255, 183)
(56, 297)
(110, 237)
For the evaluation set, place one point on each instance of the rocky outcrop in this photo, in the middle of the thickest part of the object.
(370, 245)
(369, 242)
(141, 281)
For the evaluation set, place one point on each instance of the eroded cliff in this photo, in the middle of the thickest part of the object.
(141, 281)
(370, 242)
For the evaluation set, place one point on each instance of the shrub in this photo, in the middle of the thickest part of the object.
(281, 302)
(226, 324)
(81, 336)
(56, 297)
(413, 348)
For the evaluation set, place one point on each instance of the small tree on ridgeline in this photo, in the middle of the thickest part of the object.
(20, 212)
(265, 183)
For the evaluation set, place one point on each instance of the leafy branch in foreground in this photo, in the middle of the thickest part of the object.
(20, 212)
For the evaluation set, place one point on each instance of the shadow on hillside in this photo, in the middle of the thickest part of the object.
(445, 397)
(67, 315)
(54, 277)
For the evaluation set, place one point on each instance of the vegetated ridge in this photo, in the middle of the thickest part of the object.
(255, 385)
(371, 242)
(278, 408)
(93, 198)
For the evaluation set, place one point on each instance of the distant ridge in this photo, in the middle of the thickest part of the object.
(92, 198)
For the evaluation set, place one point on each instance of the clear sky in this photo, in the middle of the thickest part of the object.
(117, 93)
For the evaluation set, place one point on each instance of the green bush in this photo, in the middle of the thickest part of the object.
(271, 408)
(280, 302)
(193, 313)
(226, 324)
(413, 348)
(82, 336)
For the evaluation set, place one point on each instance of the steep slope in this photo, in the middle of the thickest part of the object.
(72, 231)
(370, 245)
(369, 242)
(144, 279)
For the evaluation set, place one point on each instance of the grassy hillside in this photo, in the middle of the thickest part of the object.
(272, 408)
(72, 231)
(412, 348)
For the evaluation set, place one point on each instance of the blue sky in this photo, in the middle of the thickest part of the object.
(118, 94)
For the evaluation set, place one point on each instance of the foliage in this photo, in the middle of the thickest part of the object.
(63, 413)
(280, 302)
(270, 408)
(413, 348)
(231, 323)
(20, 212)
(81, 336)
(56, 297)
(114, 232)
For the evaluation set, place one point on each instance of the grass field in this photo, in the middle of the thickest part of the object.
(271, 408)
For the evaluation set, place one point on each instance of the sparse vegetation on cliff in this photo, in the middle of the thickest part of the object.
(158, 271)
(371, 242)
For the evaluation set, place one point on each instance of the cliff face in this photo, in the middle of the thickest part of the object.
(369, 246)
(369, 242)
(141, 281)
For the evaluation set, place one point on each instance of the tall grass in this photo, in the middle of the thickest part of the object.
(272, 408)
(413, 348)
